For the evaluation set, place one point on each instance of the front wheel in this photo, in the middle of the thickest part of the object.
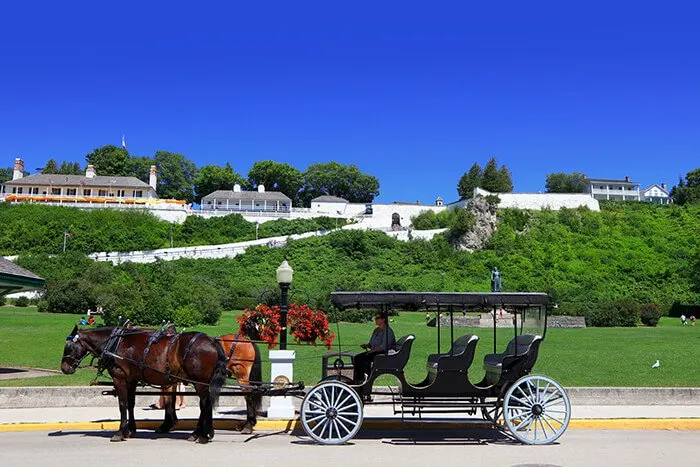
(331, 413)
(536, 409)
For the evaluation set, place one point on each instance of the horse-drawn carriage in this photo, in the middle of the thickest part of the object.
(535, 409)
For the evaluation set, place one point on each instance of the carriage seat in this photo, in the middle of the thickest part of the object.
(395, 359)
(462, 348)
(522, 345)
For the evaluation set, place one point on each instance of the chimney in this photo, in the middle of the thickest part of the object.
(90, 171)
(261, 188)
(663, 186)
(19, 169)
(236, 188)
(153, 177)
(627, 178)
(438, 201)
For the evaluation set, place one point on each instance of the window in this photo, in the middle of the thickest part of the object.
(35, 191)
(19, 190)
(71, 191)
(102, 193)
(14, 189)
(56, 191)
(87, 192)
(121, 193)
(138, 194)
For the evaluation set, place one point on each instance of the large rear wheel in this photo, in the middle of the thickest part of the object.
(536, 409)
(331, 413)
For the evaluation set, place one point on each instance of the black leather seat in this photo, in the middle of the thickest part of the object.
(395, 359)
(521, 346)
(462, 348)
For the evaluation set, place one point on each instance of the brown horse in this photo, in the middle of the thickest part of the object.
(243, 362)
(132, 356)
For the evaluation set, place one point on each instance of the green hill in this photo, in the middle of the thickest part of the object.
(628, 251)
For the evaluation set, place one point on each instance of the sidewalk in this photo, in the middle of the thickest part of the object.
(379, 417)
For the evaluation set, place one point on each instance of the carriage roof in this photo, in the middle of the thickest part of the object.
(343, 300)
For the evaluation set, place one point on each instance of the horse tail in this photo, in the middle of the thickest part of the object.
(218, 377)
(255, 378)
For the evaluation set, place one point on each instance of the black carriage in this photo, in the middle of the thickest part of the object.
(534, 408)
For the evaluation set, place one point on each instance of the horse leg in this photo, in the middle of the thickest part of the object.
(122, 394)
(251, 414)
(131, 389)
(205, 426)
(198, 429)
(170, 416)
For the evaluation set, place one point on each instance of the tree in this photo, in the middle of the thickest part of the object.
(141, 167)
(334, 179)
(561, 182)
(176, 175)
(111, 160)
(495, 180)
(469, 181)
(51, 167)
(276, 176)
(687, 191)
(6, 174)
(69, 168)
(214, 177)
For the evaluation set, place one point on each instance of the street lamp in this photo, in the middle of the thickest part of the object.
(284, 279)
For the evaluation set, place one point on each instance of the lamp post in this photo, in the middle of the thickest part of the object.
(284, 279)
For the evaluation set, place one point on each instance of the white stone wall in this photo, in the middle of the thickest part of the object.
(328, 208)
(539, 201)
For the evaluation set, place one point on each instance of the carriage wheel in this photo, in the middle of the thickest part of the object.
(493, 414)
(536, 409)
(331, 413)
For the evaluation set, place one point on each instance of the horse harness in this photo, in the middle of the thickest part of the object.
(184, 356)
(233, 348)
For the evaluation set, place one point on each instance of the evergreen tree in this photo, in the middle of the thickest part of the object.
(495, 180)
(469, 181)
(51, 167)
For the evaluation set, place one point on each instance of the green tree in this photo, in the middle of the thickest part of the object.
(111, 160)
(6, 174)
(561, 182)
(469, 181)
(51, 167)
(69, 168)
(495, 180)
(176, 176)
(141, 167)
(687, 191)
(344, 181)
(214, 177)
(276, 176)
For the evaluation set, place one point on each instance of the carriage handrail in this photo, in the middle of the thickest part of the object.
(343, 300)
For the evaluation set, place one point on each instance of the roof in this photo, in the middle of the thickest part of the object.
(605, 180)
(79, 180)
(248, 195)
(16, 279)
(657, 186)
(328, 199)
(344, 300)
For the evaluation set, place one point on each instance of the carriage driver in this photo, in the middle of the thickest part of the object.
(381, 342)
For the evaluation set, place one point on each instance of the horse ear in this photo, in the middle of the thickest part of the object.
(74, 331)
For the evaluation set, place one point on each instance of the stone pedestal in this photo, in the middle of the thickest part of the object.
(282, 371)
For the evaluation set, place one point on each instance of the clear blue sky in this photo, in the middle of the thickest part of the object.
(413, 93)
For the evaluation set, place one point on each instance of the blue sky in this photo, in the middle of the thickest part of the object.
(411, 92)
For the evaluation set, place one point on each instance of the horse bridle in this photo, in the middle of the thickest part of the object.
(75, 362)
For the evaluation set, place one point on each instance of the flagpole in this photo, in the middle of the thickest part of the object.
(64, 241)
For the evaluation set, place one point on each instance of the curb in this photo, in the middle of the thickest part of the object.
(686, 424)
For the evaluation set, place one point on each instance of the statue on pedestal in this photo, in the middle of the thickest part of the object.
(495, 280)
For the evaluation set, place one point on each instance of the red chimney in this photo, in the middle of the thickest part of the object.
(627, 178)
(663, 186)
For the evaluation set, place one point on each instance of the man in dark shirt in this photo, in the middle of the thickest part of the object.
(381, 342)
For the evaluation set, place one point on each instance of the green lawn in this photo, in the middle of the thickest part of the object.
(575, 357)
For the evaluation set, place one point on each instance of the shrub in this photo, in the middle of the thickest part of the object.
(246, 302)
(570, 309)
(3, 300)
(71, 296)
(650, 314)
(624, 313)
(187, 316)
(22, 302)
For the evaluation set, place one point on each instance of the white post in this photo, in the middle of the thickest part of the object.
(282, 369)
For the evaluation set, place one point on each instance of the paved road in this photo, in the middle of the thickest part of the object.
(473, 448)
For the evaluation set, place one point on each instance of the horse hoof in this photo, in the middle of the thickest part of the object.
(117, 438)
(162, 429)
(247, 430)
(193, 437)
(203, 440)
(129, 434)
